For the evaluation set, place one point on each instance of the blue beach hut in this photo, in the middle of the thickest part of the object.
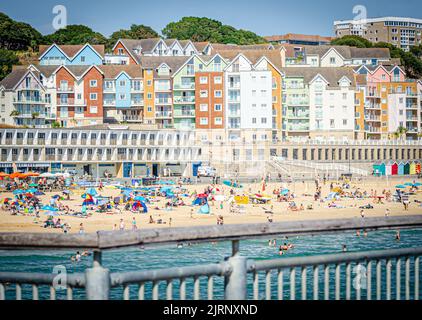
(377, 168)
(400, 171)
(382, 169)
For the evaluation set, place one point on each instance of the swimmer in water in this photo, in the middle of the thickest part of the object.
(358, 233)
(344, 248)
(398, 235)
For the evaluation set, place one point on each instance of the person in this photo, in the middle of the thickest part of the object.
(170, 222)
(362, 213)
(134, 227)
(78, 256)
(344, 248)
(122, 225)
(280, 251)
(115, 227)
(270, 219)
(81, 228)
(405, 201)
(387, 212)
(398, 235)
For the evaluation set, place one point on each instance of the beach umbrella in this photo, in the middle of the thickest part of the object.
(18, 191)
(33, 184)
(400, 186)
(408, 184)
(46, 175)
(3, 175)
(139, 198)
(32, 190)
(417, 184)
(31, 174)
(16, 175)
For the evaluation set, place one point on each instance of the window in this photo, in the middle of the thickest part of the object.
(344, 122)
(82, 58)
(218, 121)
(218, 93)
(254, 120)
(344, 96)
(332, 60)
(203, 107)
(332, 124)
(93, 109)
(217, 107)
(203, 80)
(122, 83)
(263, 120)
(218, 80)
(203, 93)
(203, 121)
(149, 95)
(93, 96)
(120, 51)
(122, 96)
(149, 82)
(93, 83)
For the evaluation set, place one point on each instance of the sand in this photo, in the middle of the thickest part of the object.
(181, 216)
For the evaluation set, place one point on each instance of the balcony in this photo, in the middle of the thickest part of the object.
(374, 95)
(234, 85)
(181, 100)
(137, 102)
(109, 103)
(109, 89)
(163, 114)
(373, 106)
(162, 88)
(297, 127)
(298, 115)
(235, 99)
(372, 118)
(30, 100)
(412, 106)
(131, 118)
(65, 89)
(298, 102)
(136, 89)
(71, 102)
(184, 113)
(187, 86)
(410, 94)
(163, 101)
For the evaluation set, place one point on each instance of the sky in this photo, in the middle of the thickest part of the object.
(264, 17)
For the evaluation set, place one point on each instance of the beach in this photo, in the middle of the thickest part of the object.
(187, 215)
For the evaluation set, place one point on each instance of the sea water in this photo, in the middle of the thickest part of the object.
(195, 254)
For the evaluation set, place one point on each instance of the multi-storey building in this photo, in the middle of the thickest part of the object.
(71, 54)
(401, 32)
(303, 39)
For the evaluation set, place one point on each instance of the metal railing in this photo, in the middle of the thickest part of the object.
(379, 273)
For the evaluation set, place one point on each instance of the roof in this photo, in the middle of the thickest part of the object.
(361, 79)
(332, 75)
(254, 56)
(71, 50)
(174, 63)
(13, 78)
(298, 37)
(112, 71)
(380, 53)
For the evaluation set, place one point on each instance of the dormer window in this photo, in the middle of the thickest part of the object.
(175, 52)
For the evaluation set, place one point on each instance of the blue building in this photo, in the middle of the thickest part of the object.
(71, 55)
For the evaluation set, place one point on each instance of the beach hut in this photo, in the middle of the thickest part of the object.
(388, 168)
(377, 168)
(394, 169)
(417, 167)
(407, 168)
(401, 168)
(413, 167)
(382, 169)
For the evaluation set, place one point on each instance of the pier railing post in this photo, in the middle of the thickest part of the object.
(97, 280)
(235, 283)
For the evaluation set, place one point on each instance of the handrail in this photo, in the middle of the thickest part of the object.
(117, 239)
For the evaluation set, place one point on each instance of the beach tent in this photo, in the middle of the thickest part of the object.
(205, 209)
(140, 198)
(200, 199)
(88, 199)
(401, 168)
(138, 204)
(407, 168)
(413, 168)
(332, 196)
(91, 191)
(49, 208)
(241, 199)
(394, 169)
(388, 168)
(230, 184)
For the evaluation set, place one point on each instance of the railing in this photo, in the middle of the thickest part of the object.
(241, 275)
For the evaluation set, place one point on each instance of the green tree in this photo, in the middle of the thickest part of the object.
(400, 133)
(353, 41)
(135, 32)
(17, 35)
(205, 29)
(7, 60)
(75, 34)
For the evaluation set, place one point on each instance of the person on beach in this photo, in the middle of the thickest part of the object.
(134, 227)
(387, 212)
(81, 228)
(362, 214)
(122, 225)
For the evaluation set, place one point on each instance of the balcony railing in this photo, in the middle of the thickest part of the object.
(184, 113)
(327, 277)
(33, 100)
(163, 101)
(184, 99)
(65, 89)
(71, 102)
(163, 114)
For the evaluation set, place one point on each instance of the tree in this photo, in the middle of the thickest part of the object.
(205, 29)
(17, 35)
(15, 113)
(7, 60)
(352, 41)
(400, 133)
(135, 32)
(75, 34)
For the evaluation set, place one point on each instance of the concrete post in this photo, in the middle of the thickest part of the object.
(235, 283)
(97, 280)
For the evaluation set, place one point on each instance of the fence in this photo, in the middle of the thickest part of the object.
(242, 277)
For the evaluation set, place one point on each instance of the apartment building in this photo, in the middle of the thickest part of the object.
(332, 56)
(302, 39)
(399, 31)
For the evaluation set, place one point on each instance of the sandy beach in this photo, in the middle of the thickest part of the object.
(182, 216)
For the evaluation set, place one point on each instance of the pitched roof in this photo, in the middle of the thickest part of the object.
(13, 78)
(254, 56)
(71, 50)
(380, 53)
(332, 75)
(112, 71)
(150, 62)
